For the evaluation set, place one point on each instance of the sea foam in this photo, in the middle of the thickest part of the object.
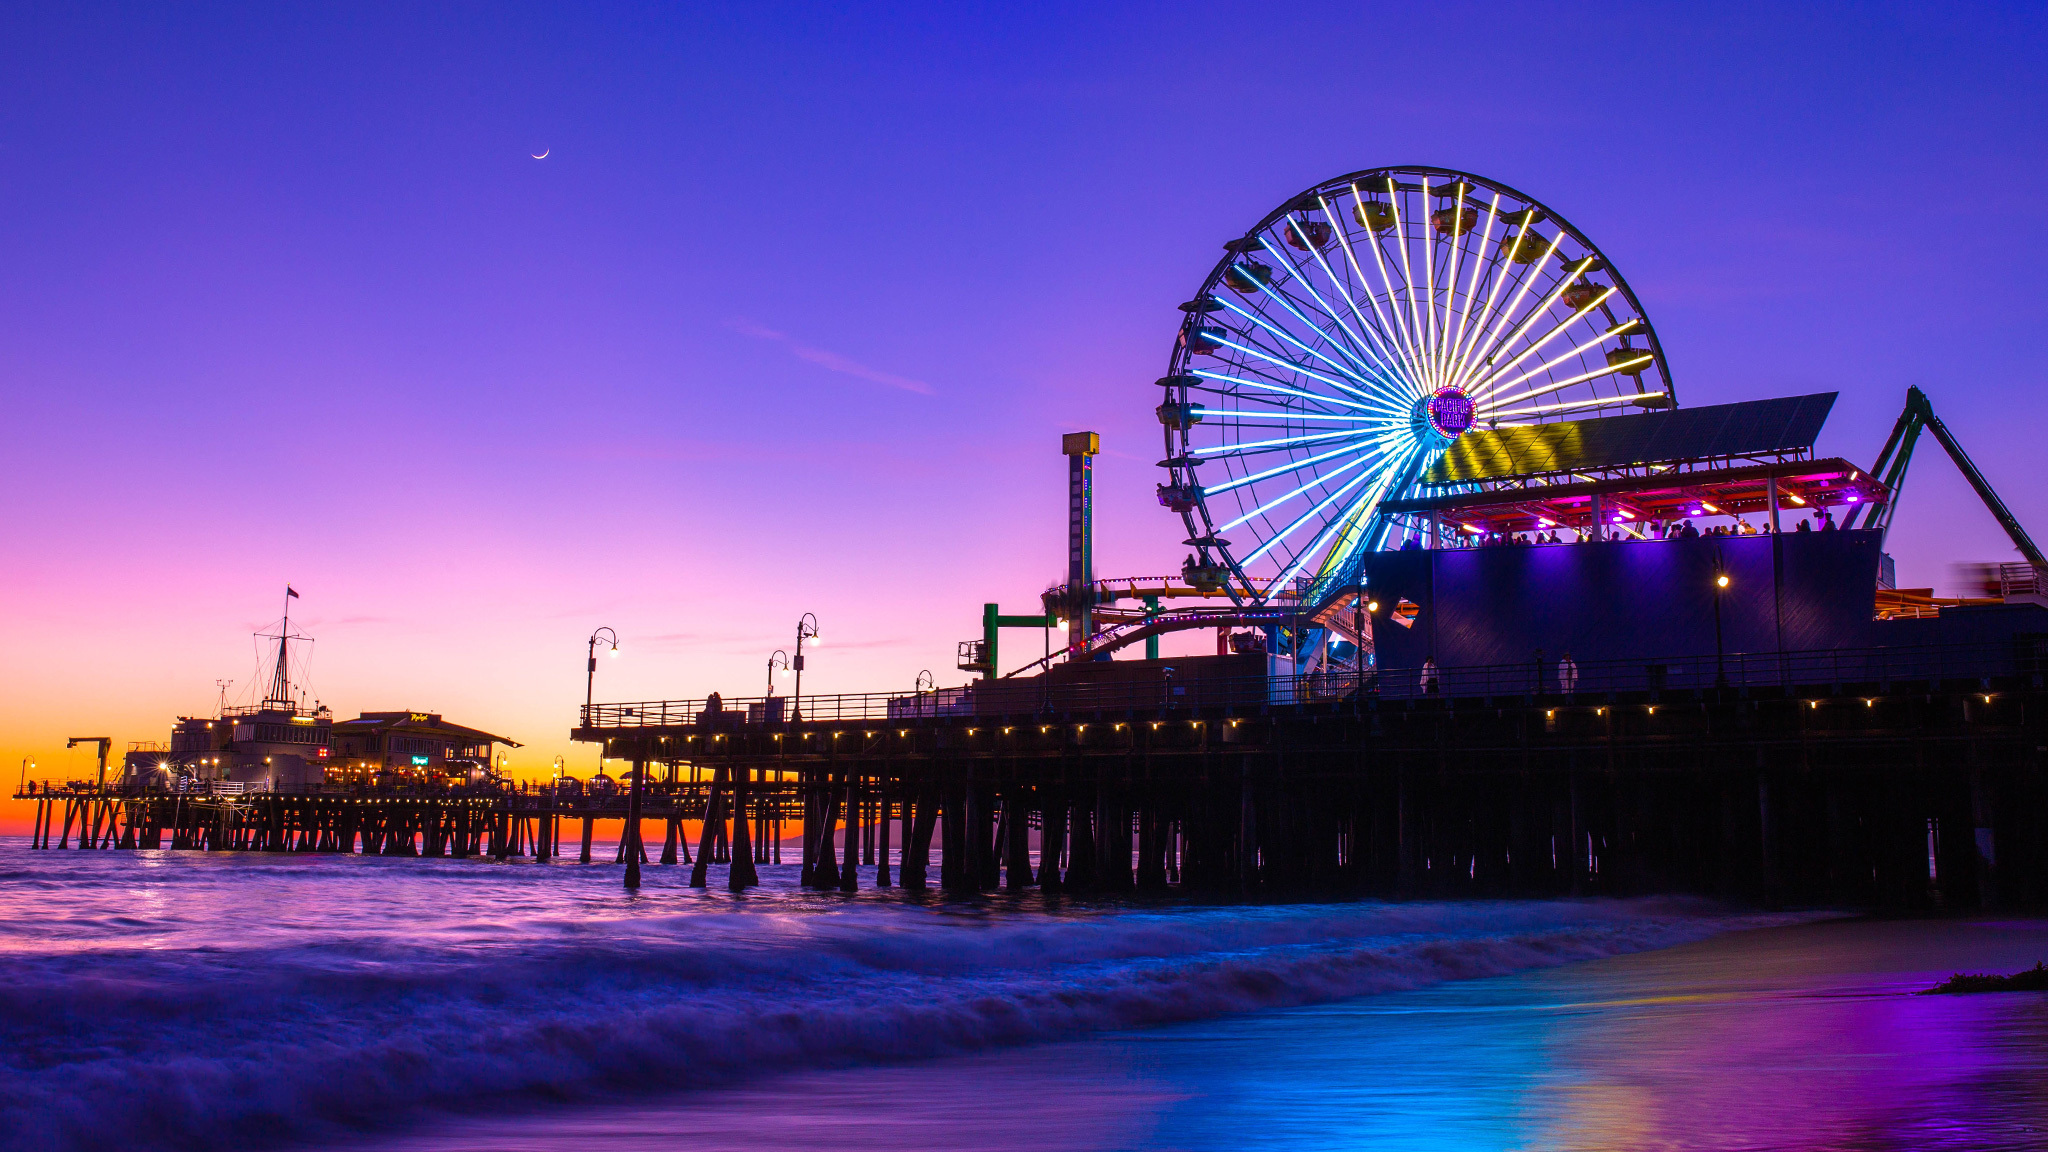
(182, 1002)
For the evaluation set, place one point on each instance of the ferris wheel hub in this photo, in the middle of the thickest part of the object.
(1446, 413)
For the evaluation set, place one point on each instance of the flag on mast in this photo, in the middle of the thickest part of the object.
(289, 591)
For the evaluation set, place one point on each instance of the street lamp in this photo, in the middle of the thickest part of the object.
(926, 682)
(1720, 655)
(590, 677)
(776, 659)
(806, 629)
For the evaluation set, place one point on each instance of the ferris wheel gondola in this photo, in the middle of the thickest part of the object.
(1343, 343)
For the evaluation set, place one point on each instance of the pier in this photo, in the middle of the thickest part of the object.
(1886, 777)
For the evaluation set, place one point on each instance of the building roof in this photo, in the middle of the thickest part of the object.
(1802, 485)
(425, 722)
(1753, 428)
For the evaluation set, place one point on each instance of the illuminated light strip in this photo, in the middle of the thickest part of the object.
(1318, 506)
(1435, 368)
(1487, 338)
(1206, 374)
(1304, 369)
(1472, 285)
(1491, 384)
(1370, 338)
(1466, 314)
(1571, 274)
(1493, 339)
(1349, 515)
(1373, 337)
(1371, 372)
(1221, 451)
(1300, 278)
(1408, 283)
(1290, 338)
(1487, 384)
(1295, 466)
(1451, 281)
(1313, 326)
(1540, 311)
(1276, 501)
(1596, 402)
(1409, 354)
(1358, 204)
(1536, 346)
(1378, 331)
(1547, 389)
(1498, 263)
(1208, 414)
(1351, 540)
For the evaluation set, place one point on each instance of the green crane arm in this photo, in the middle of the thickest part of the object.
(1898, 452)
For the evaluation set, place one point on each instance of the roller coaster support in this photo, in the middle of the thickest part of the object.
(1898, 452)
(982, 658)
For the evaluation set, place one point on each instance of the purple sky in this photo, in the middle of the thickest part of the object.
(793, 312)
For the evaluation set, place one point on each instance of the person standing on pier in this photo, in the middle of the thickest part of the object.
(1567, 674)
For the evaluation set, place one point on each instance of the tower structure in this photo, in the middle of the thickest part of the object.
(1080, 449)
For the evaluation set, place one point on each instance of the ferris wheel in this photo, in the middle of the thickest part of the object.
(1343, 343)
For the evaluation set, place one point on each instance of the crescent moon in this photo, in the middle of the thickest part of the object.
(542, 154)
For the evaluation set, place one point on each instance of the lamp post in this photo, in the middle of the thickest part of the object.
(1720, 654)
(806, 629)
(590, 672)
(776, 659)
(926, 682)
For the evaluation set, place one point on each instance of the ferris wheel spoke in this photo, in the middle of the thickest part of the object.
(1261, 447)
(1207, 374)
(1378, 367)
(1457, 248)
(1484, 351)
(1484, 385)
(1578, 405)
(1472, 285)
(1281, 536)
(1423, 224)
(1422, 374)
(1234, 414)
(1406, 354)
(1358, 517)
(1283, 334)
(1278, 470)
(1272, 357)
(1371, 339)
(1554, 385)
(1378, 346)
(1497, 279)
(1369, 499)
(1296, 492)
(1377, 327)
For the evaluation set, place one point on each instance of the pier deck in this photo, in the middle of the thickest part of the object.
(1897, 778)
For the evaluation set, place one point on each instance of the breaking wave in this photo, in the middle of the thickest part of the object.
(143, 1033)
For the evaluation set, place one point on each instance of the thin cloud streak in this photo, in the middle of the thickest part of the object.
(830, 361)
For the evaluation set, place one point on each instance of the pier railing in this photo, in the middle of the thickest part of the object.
(1826, 671)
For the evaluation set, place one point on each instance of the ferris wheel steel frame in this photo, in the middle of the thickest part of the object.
(1350, 355)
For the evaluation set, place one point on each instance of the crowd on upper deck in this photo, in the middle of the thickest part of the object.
(1821, 521)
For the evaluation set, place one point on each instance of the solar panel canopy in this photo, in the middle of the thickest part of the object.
(1754, 427)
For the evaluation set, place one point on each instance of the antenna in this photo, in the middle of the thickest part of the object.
(222, 708)
(280, 695)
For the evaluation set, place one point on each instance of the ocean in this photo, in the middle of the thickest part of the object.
(161, 1000)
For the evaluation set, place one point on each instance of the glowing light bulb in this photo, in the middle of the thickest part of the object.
(1721, 581)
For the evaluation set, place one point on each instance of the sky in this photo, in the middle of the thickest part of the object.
(792, 313)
